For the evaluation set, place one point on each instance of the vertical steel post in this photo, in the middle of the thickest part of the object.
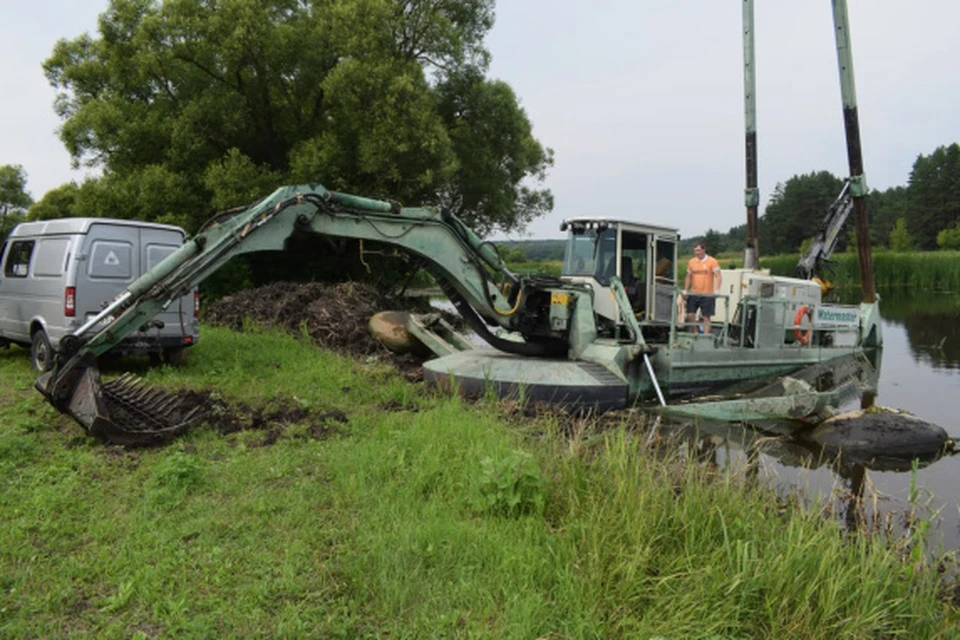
(751, 256)
(851, 125)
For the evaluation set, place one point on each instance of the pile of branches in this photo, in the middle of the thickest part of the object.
(334, 315)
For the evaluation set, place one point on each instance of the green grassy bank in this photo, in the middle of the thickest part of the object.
(421, 516)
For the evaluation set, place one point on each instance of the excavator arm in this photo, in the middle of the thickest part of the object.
(816, 259)
(469, 269)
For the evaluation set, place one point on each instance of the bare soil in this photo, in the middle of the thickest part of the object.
(227, 418)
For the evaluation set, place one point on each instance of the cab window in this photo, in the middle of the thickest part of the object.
(591, 252)
(633, 262)
(664, 262)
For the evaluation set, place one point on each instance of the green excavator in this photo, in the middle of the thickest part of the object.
(605, 334)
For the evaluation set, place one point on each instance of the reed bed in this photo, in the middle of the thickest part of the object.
(918, 270)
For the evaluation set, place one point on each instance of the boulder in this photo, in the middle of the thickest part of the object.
(881, 432)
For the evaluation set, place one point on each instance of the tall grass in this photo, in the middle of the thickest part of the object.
(923, 270)
(421, 517)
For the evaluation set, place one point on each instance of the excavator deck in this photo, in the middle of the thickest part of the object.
(560, 383)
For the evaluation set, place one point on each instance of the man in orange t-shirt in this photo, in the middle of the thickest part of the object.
(702, 282)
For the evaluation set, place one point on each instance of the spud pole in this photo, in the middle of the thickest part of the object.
(751, 257)
(851, 125)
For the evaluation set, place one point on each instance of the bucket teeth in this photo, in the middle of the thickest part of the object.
(137, 414)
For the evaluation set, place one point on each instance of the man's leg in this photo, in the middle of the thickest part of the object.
(692, 303)
(707, 309)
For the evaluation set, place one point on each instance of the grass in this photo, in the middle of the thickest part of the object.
(918, 270)
(421, 517)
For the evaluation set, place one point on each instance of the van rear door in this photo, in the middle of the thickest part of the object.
(109, 263)
(156, 245)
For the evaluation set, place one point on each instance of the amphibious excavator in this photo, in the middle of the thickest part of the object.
(604, 334)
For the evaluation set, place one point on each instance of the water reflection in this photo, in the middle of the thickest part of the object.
(756, 453)
(932, 322)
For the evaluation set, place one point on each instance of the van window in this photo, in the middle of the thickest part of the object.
(18, 259)
(157, 252)
(111, 260)
(51, 257)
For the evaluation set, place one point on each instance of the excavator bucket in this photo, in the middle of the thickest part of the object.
(124, 411)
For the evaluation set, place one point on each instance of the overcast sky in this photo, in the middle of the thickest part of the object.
(641, 101)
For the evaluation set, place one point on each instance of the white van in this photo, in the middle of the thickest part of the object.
(57, 274)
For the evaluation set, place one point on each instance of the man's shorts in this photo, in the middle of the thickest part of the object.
(706, 304)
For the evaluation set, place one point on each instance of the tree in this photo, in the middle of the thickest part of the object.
(795, 209)
(885, 209)
(511, 252)
(56, 203)
(487, 126)
(900, 239)
(14, 198)
(949, 238)
(934, 193)
(190, 106)
(713, 242)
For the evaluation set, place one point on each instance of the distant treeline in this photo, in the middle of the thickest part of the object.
(924, 214)
(531, 250)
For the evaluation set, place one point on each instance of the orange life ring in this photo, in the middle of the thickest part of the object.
(801, 336)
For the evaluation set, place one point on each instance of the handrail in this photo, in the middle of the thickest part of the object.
(676, 322)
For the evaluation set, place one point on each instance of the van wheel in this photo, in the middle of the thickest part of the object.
(175, 357)
(41, 353)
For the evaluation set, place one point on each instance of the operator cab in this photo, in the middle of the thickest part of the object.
(644, 257)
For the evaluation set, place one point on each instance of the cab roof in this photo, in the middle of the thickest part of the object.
(627, 225)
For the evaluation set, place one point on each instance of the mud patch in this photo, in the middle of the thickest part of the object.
(229, 418)
(395, 406)
(334, 316)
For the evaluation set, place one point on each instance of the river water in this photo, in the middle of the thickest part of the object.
(920, 373)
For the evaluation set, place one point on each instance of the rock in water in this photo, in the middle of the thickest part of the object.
(884, 432)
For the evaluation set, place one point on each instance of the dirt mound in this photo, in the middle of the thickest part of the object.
(334, 315)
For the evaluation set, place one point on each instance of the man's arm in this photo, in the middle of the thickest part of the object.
(686, 282)
(717, 280)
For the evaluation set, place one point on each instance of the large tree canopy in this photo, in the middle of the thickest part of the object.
(193, 105)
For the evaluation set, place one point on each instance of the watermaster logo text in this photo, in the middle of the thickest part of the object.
(834, 315)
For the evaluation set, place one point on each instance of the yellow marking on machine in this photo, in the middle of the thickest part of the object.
(558, 297)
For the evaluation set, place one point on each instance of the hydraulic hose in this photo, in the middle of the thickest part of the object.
(537, 349)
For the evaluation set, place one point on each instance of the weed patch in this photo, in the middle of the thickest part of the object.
(513, 485)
